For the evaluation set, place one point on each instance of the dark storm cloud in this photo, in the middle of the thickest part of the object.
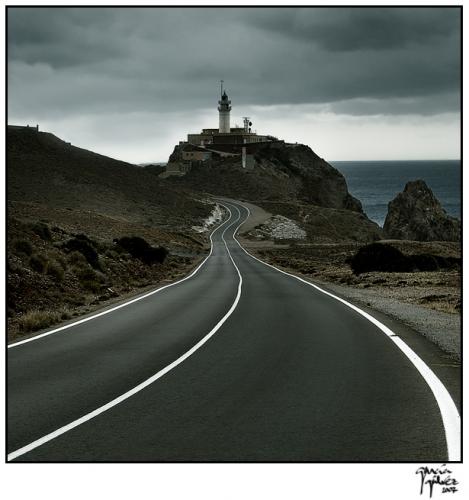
(349, 29)
(360, 61)
(60, 37)
(406, 105)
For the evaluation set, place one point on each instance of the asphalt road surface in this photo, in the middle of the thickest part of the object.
(238, 362)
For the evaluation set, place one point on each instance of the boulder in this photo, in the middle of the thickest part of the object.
(416, 214)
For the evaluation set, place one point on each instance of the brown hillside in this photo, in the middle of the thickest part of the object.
(43, 169)
(67, 210)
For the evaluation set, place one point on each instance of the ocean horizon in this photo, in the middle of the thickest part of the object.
(376, 183)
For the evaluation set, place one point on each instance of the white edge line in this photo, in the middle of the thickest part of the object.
(448, 410)
(62, 430)
(124, 304)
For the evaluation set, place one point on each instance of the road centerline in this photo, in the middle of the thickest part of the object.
(114, 402)
(126, 303)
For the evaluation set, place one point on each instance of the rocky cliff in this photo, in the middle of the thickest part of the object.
(416, 214)
(282, 172)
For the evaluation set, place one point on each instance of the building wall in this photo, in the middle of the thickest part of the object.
(251, 148)
(243, 138)
(24, 127)
(175, 168)
(236, 136)
(250, 162)
(200, 139)
(196, 155)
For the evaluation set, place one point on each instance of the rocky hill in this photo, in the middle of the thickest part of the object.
(282, 172)
(416, 214)
(289, 180)
(44, 170)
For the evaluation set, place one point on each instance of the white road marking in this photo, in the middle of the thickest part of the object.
(448, 410)
(153, 378)
(124, 304)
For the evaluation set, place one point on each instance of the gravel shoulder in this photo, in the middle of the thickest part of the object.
(443, 329)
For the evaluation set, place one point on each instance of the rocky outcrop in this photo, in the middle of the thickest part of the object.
(321, 184)
(416, 214)
(279, 227)
(327, 225)
(282, 172)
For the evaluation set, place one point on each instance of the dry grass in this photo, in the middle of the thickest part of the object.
(36, 319)
(437, 290)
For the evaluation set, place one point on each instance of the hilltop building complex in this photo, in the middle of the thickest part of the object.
(223, 141)
(224, 134)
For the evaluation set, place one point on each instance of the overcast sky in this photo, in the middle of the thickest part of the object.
(354, 84)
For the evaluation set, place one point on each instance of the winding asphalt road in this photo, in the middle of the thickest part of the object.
(237, 362)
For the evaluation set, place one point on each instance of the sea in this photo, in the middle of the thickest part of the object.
(376, 183)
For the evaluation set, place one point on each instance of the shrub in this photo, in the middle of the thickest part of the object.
(154, 254)
(76, 300)
(42, 230)
(77, 259)
(92, 286)
(55, 270)
(386, 258)
(65, 313)
(100, 246)
(90, 279)
(58, 229)
(81, 243)
(61, 260)
(141, 249)
(35, 320)
(112, 254)
(38, 263)
(429, 262)
(119, 249)
(23, 246)
(379, 257)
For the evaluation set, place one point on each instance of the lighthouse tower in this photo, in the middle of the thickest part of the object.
(224, 108)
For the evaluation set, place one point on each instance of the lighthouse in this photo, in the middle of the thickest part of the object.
(230, 141)
(224, 108)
